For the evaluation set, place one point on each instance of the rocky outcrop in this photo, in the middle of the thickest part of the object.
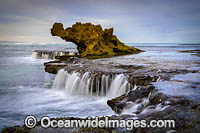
(194, 52)
(145, 98)
(136, 95)
(61, 62)
(92, 40)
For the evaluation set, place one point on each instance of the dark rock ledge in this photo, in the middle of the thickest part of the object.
(186, 113)
(193, 52)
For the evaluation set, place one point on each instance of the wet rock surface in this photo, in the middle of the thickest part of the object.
(193, 52)
(139, 74)
(186, 120)
(54, 66)
(185, 112)
(60, 63)
(144, 100)
(92, 40)
(147, 97)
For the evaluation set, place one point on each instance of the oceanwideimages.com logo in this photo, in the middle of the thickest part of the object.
(97, 122)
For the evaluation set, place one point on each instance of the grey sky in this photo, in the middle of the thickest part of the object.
(170, 21)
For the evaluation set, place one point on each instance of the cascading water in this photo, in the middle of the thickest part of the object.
(141, 106)
(45, 54)
(118, 86)
(109, 86)
(87, 84)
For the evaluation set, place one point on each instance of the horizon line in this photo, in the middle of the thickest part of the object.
(72, 42)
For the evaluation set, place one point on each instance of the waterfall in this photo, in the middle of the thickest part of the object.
(48, 81)
(108, 86)
(118, 86)
(75, 83)
(47, 54)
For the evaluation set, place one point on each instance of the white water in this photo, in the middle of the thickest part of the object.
(23, 92)
(118, 86)
(76, 84)
(142, 107)
(43, 54)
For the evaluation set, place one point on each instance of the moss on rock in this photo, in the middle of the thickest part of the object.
(92, 40)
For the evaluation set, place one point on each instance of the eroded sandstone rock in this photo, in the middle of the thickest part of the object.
(92, 40)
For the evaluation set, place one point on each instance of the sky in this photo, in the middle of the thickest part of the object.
(139, 21)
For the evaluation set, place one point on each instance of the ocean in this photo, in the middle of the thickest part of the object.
(25, 88)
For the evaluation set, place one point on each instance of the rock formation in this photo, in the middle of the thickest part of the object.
(92, 40)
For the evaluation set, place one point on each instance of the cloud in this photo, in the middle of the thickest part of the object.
(133, 20)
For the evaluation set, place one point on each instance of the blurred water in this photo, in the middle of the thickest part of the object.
(187, 85)
(23, 90)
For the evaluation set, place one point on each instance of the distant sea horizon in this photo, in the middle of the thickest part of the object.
(127, 43)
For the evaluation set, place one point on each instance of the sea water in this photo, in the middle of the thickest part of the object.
(25, 91)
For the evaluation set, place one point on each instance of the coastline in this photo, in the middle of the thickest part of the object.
(143, 73)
